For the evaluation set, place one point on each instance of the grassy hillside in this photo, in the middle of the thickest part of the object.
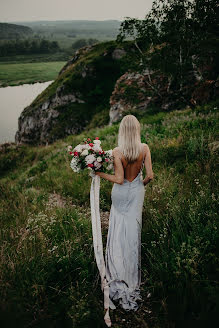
(48, 273)
(80, 94)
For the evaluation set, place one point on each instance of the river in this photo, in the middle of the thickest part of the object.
(12, 101)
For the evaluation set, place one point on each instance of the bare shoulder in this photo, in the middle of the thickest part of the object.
(146, 147)
(116, 150)
(117, 153)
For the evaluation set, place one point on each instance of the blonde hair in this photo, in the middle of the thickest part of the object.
(129, 138)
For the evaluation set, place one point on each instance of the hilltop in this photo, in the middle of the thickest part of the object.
(14, 31)
(98, 85)
(79, 97)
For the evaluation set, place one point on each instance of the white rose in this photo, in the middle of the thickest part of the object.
(99, 159)
(84, 152)
(97, 165)
(90, 159)
(97, 148)
(78, 148)
(109, 152)
(75, 165)
(97, 142)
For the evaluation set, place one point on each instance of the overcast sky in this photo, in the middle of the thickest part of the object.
(32, 10)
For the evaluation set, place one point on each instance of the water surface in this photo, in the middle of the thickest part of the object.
(12, 101)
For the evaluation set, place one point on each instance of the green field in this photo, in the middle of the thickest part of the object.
(48, 273)
(16, 74)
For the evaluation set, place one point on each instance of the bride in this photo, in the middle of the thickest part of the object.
(123, 248)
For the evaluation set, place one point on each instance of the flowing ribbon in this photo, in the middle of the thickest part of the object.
(97, 241)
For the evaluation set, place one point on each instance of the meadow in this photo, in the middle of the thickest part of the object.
(20, 73)
(48, 272)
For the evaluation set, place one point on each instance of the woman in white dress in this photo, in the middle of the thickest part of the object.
(123, 249)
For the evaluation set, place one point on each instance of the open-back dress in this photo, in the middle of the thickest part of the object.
(123, 247)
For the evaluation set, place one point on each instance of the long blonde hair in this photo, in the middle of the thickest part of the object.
(129, 138)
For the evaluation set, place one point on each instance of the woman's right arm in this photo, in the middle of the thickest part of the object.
(148, 166)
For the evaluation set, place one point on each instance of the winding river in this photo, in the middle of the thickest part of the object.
(12, 101)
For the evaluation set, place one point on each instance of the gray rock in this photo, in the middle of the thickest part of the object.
(118, 53)
(116, 112)
(45, 105)
(35, 128)
(119, 103)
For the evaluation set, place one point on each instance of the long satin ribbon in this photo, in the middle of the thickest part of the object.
(98, 243)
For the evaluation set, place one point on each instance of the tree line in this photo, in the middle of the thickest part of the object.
(42, 46)
(176, 37)
(23, 47)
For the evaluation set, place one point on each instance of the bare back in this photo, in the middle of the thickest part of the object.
(131, 170)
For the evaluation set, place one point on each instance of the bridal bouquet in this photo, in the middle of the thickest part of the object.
(89, 155)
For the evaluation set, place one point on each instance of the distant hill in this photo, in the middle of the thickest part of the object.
(79, 24)
(101, 30)
(14, 31)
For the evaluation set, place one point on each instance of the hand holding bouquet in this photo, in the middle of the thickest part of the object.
(89, 155)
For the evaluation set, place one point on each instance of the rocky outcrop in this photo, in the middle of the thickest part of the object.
(96, 79)
(129, 94)
(136, 91)
(37, 127)
(118, 53)
(81, 90)
(139, 92)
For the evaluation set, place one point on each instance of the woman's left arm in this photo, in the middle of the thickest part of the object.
(118, 177)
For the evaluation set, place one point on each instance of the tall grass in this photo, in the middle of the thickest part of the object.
(48, 272)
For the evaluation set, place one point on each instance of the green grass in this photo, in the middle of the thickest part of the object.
(48, 273)
(16, 74)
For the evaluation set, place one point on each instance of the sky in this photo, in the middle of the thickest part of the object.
(33, 10)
